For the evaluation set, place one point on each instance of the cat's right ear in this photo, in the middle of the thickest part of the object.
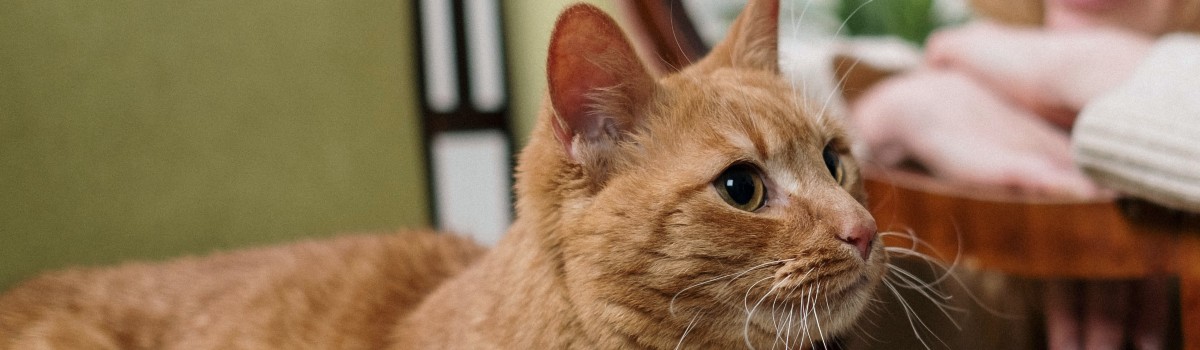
(598, 85)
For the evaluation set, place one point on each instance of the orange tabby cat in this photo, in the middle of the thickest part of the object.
(709, 208)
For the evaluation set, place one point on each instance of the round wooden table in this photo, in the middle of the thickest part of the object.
(1045, 237)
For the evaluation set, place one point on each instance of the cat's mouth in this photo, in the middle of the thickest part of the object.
(842, 288)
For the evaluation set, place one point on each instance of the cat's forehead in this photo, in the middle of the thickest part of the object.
(750, 110)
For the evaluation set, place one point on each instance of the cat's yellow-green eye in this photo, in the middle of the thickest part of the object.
(742, 187)
(833, 162)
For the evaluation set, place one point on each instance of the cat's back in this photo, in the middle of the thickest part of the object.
(341, 293)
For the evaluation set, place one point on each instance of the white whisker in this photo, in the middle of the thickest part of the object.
(735, 276)
(913, 250)
(946, 273)
(911, 281)
(805, 322)
(940, 306)
(750, 311)
(911, 315)
(687, 330)
(791, 315)
(817, 314)
(777, 320)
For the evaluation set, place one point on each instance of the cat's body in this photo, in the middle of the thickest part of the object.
(709, 208)
(342, 293)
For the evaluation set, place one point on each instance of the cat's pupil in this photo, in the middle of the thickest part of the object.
(832, 162)
(742, 187)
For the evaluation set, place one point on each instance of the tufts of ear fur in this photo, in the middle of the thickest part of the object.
(598, 87)
(752, 42)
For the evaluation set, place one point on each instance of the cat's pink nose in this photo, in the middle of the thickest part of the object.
(860, 235)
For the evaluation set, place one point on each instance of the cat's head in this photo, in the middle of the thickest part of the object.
(714, 200)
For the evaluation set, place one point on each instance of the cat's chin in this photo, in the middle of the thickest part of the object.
(803, 323)
(814, 312)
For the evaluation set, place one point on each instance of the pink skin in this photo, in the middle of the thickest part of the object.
(964, 133)
(1051, 73)
(1143, 16)
(1048, 72)
(994, 106)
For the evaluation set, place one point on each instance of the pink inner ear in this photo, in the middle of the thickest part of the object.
(588, 53)
(571, 81)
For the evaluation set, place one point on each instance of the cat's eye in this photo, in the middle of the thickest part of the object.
(833, 162)
(742, 187)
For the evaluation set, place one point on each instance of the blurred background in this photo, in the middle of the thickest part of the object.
(137, 130)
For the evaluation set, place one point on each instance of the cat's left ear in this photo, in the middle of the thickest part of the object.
(598, 86)
(752, 42)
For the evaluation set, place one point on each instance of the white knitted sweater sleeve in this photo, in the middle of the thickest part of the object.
(1143, 138)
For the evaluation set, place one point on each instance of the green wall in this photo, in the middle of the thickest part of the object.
(148, 129)
(151, 129)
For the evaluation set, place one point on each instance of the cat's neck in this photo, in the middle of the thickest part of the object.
(515, 296)
(521, 286)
